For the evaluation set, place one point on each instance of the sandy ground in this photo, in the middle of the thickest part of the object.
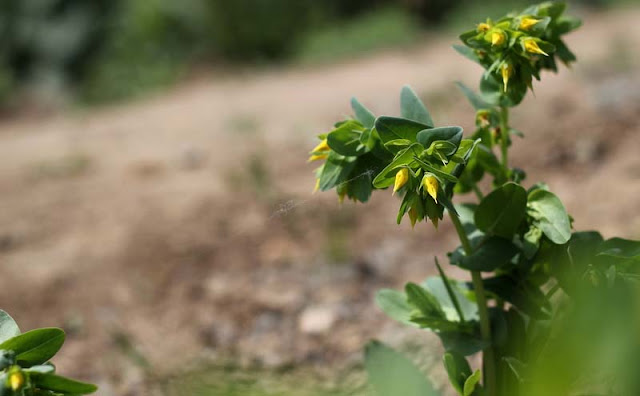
(183, 226)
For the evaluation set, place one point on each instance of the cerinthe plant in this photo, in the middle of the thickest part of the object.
(516, 242)
(25, 367)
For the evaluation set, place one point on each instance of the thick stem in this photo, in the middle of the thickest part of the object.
(488, 358)
(504, 136)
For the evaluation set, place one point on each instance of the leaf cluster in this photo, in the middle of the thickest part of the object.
(25, 367)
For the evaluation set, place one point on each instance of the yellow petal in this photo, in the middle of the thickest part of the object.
(430, 184)
(483, 27)
(526, 23)
(507, 72)
(16, 380)
(317, 157)
(532, 46)
(402, 177)
(341, 196)
(322, 146)
(317, 187)
(497, 38)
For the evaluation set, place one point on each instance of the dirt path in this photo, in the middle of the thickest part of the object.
(185, 221)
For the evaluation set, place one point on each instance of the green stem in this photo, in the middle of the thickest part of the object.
(488, 359)
(504, 136)
(477, 191)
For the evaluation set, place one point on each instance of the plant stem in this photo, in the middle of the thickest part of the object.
(477, 191)
(488, 359)
(504, 136)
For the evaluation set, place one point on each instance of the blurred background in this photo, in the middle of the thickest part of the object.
(154, 196)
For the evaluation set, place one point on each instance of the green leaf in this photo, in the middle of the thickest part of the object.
(60, 384)
(392, 128)
(457, 368)
(8, 327)
(620, 248)
(42, 369)
(412, 107)
(501, 212)
(392, 374)
(471, 383)
(467, 52)
(475, 99)
(549, 215)
(36, 346)
(463, 342)
(436, 171)
(451, 134)
(335, 170)
(437, 287)
(491, 254)
(423, 301)
(394, 304)
(524, 295)
(517, 367)
(363, 114)
(345, 140)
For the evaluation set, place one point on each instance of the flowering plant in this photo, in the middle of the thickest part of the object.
(516, 242)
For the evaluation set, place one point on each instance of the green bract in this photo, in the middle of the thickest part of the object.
(24, 362)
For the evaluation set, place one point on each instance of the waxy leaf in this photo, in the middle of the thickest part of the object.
(8, 327)
(63, 385)
(471, 383)
(620, 248)
(345, 140)
(394, 304)
(404, 158)
(475, 99)
(390, 373)
(549, 215)
(452, 134)
(335, 170)
(36, 346)
(392, 128)
(363, 114)
(411, 107)
(457, 368)
(491, 254)
(502, 211)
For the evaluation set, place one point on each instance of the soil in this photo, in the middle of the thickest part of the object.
(182, 227)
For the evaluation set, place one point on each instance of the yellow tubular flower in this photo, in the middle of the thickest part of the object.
(430, 184)
(341, 195)
(317, 187)
(402, 177)
(507, 72)
(527, 23)
(413, 216)
(16, 380)
(317, 157)
(483, 27)
(322, 146)
(498, 38)
(532, 46)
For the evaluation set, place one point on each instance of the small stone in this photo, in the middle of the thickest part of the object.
(317, 319)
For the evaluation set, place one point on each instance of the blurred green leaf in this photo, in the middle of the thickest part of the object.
(501, 212)
(8, 327)
(412, 107)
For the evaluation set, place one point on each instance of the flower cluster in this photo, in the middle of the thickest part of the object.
(514, 49)
(422, 163)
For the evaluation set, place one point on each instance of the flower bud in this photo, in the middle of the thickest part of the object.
(320, 152)
(482, 118)
(483, 27)
(402, 177)
(317, 157)
(317, 186)
(498, 37)
(16, 380)
(527, 23)
(507, 71)
(430, 184)
(531, 45)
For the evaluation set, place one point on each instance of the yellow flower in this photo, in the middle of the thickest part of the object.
(413, 216)
(483, 27)
(16, 380)
(507, 72)
(532, 46)
(317, 187)
(527, 23)
(317, 157)
(430, 184)
(341, 195)
(322, 146)
(402, 177)
(498, 37)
